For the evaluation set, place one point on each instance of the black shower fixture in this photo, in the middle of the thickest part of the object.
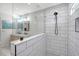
(56, 24)
(55, 13)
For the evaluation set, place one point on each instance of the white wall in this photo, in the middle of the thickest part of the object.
(36, 22)
(73, 42)
(57, 44)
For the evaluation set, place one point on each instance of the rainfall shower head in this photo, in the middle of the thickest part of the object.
(55, 13)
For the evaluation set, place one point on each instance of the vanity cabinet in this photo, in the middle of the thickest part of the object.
(34, 46)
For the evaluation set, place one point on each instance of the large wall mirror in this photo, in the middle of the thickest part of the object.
(22, 25)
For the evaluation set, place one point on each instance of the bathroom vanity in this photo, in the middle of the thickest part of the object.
(29, 46)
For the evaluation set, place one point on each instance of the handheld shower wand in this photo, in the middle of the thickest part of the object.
(56, 24)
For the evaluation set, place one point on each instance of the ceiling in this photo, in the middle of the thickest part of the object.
(23, 8)
(6, 8)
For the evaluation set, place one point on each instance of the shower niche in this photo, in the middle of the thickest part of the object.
(77, 24)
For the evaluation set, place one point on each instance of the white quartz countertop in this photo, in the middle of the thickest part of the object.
(22, 35)
(25, 39)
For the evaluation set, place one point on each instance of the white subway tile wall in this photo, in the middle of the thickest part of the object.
(57, 44)
(73, 42)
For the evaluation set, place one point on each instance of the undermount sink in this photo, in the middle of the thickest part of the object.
(18, 37)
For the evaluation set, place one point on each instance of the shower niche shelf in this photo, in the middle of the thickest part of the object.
(77, 24)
